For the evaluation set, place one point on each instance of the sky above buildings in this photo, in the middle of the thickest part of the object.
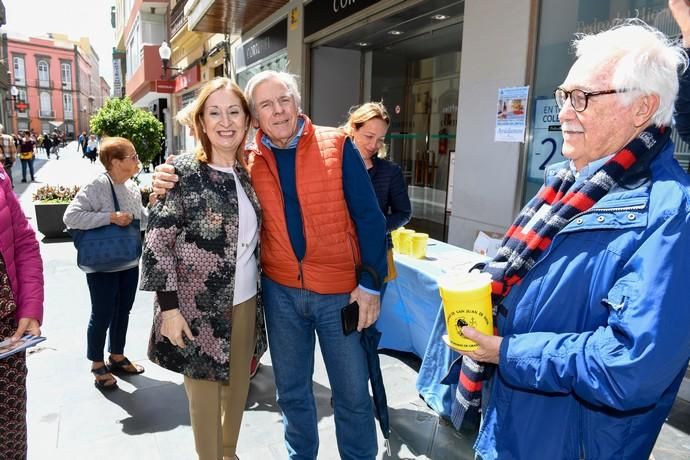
(74, 18)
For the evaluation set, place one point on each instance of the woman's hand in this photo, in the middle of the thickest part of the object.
(153, 198)
(122, 219)
(174, 325)
(164, 178)
(26, 326)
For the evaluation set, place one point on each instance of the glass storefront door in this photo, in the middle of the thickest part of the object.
(418, 81)
(408, 58)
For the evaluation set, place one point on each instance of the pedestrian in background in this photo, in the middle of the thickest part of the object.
(21, 312)
(367, 126)
(591, 278)
(56, 141)
(83, 141)
(39, 143)
(92, 148)
(9, 152)
(112, 293)
(208, 320)
(47, 143)
(26, 155)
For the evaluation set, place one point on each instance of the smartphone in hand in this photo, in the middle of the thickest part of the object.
(349, 316)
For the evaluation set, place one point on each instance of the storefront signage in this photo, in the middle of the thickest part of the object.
(188, 97)
(322, 13)
(547, 139)
(189, 77)
(274, 39)
(165, 86)
(117, 78)
(294, 18)
(510, 116)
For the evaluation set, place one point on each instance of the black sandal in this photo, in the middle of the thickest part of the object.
(104, 384)
(124, 366)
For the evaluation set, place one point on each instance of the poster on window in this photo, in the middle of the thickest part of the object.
(547, 140)
(511, 114)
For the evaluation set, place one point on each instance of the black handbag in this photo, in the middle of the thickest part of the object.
(109, 248)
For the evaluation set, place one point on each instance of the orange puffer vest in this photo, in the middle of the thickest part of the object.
(332, 249)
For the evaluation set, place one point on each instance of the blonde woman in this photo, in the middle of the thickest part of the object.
(367, 126)
(200, 258)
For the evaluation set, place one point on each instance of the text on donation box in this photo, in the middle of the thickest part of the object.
(547, 139)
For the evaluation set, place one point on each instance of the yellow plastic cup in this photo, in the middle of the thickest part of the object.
(395, 236)
(405, 239)
(466, 302)
(419, 241)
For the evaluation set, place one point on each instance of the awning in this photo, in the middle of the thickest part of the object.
(231, 17)
(56, 124)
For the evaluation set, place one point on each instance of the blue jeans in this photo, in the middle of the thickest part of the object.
(112, 296)
(292, 317)
(30, 164)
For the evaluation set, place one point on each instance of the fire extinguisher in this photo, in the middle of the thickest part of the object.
(443, 141)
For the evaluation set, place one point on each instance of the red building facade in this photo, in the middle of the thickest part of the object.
(53, 78)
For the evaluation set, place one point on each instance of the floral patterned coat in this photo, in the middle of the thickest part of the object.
(190, 248)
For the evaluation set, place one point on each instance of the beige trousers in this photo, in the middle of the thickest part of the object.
(216, 409)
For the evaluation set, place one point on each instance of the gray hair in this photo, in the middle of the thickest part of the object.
(645, 61)
(287, 79)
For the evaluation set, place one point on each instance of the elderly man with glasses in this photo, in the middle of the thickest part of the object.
(590, 284)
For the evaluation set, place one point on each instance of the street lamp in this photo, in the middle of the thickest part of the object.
(165, 52)
(14, 92)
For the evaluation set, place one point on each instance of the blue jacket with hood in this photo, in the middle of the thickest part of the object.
(597, 335)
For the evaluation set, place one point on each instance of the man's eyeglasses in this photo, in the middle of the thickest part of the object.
(134, 157)
(579, 98)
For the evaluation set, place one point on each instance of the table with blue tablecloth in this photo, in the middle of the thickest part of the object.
(412, 318)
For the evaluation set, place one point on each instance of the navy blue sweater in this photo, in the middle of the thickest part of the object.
(391, 192)
(361, 203)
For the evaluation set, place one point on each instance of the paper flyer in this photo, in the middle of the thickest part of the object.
(511, 114)
(7, 348)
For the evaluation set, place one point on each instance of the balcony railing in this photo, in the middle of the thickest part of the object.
(46, 113)
(177, 17)
(69, 115)
(66, 85)
(44, 83)
(24, 114)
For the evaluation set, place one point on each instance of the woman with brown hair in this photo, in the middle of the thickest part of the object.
(367, 126)
(200, 256)
(112, 293)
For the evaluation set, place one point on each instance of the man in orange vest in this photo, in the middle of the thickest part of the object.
(321, 222)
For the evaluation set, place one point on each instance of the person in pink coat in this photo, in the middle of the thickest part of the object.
(21, 312)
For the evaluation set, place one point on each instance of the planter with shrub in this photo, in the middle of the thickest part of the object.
(50, 202)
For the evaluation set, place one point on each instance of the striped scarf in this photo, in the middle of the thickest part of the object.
(532, 232)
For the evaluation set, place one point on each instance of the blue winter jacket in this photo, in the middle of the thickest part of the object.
(597, 335)
(391, 193)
